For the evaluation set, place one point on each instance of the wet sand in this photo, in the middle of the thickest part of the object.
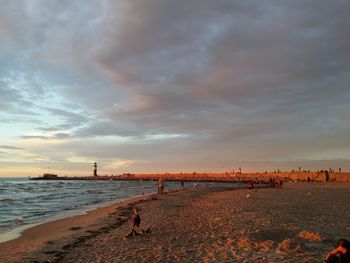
(299, 223)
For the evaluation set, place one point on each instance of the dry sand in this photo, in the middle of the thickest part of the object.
(299, 223)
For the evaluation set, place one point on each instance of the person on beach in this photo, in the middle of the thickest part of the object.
(182, 185)
(279, 183)
(135, 225)
(135, 222)
(160, 186)
(341, 254)
(250, 184)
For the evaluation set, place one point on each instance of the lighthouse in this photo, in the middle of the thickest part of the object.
(95, 169)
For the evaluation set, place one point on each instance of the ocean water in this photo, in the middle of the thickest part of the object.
(24, 203)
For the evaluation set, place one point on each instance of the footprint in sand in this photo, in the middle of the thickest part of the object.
(245, 244)
(310, 236)
(229, 241)
(266, 245)
(289, 246)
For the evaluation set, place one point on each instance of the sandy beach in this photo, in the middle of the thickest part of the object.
(299, 223)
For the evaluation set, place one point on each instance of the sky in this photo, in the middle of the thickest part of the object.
(173, 86)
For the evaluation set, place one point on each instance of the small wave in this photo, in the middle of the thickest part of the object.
(17, 222)
(49, 195)
(49, 199)
(94, 192)
(72, 207)
(7, 200)
(37, 215)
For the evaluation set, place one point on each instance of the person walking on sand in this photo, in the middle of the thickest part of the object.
(341, 254)
(160, 186)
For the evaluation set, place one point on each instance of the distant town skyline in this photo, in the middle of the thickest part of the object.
(173, 86)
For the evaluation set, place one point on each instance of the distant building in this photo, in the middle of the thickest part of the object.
(50, 176)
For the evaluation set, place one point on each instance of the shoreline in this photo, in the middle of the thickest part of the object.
(28, 238)
(299, 223)
(34, 236)
(17, 232)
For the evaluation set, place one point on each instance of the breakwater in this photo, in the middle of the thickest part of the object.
(323, 176)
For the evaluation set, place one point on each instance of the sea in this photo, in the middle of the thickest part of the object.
(25, 203)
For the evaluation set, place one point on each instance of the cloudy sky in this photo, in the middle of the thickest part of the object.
(163, 85)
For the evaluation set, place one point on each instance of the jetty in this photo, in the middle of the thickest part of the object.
(320, 176)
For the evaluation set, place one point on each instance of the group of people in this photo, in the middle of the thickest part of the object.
(341, 254)
(276, 182)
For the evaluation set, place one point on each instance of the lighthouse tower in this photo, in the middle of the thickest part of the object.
(95, 169)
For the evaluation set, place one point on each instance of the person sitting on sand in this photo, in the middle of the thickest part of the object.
(135, 219)
(341, 254)
(135, 225)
